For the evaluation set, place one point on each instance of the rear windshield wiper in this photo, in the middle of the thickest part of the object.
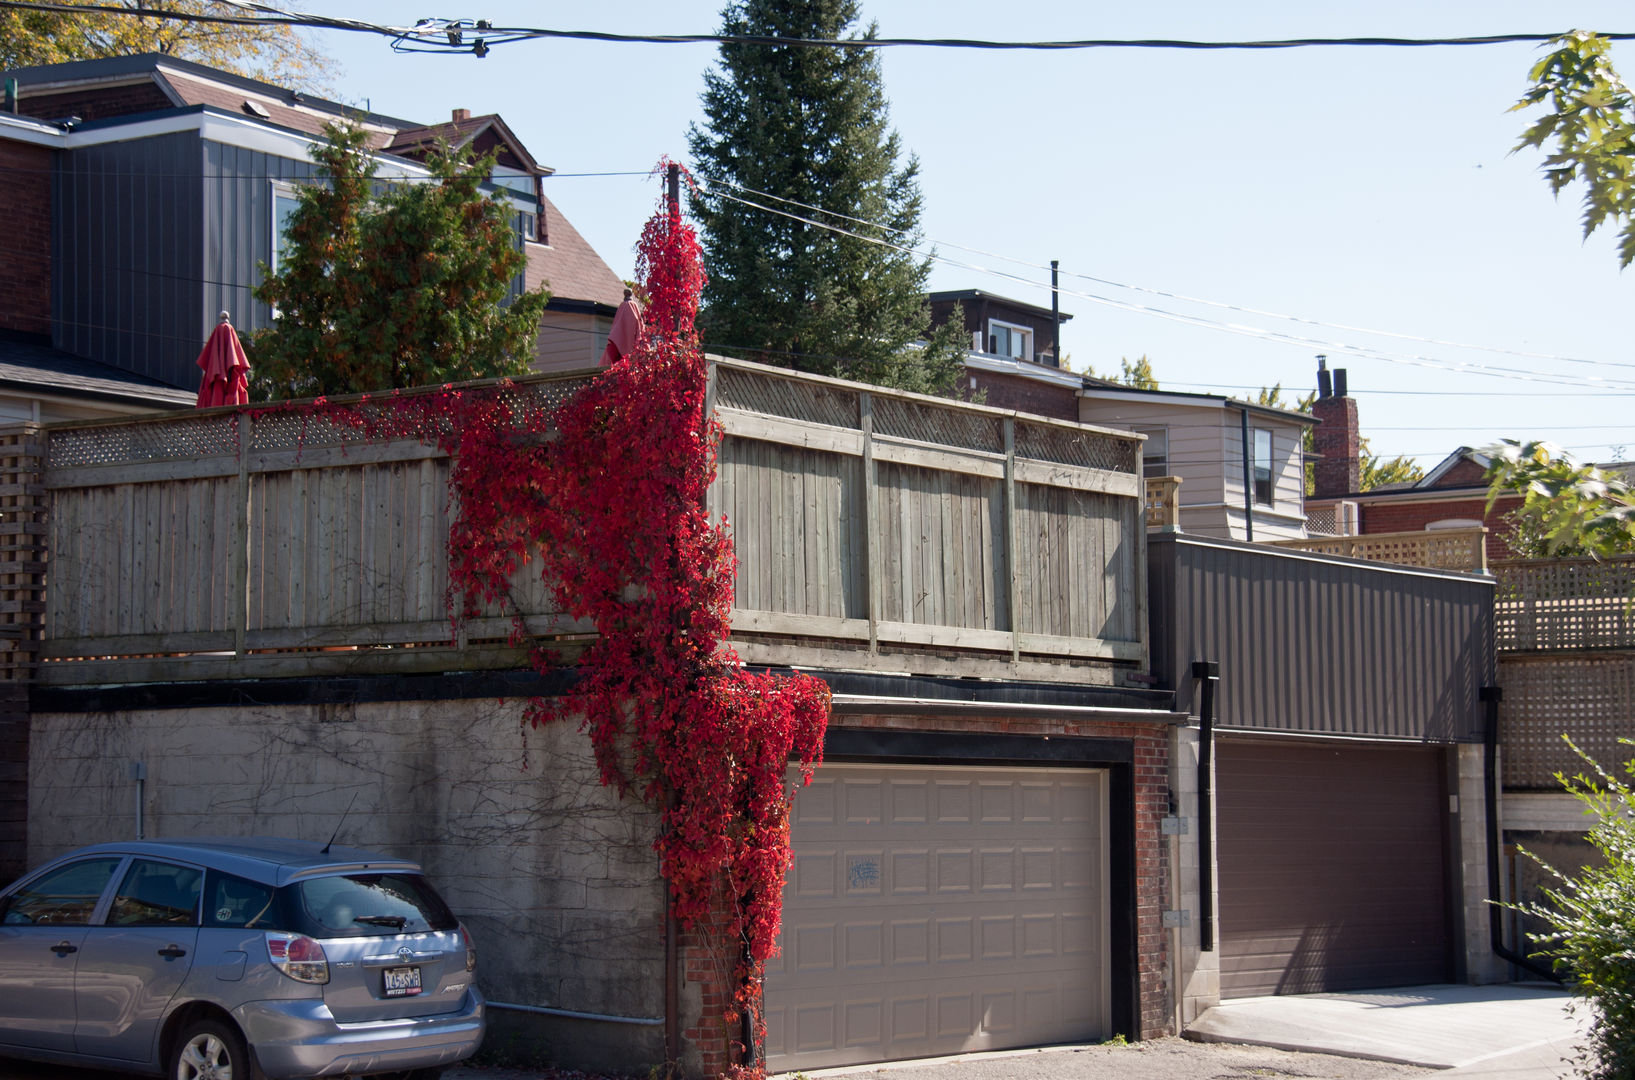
(394, 921)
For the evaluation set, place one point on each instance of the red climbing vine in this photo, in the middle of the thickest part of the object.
(608, 494)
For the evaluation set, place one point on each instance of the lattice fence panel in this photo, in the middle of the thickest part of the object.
(1065, 446)
(790, 398)
(921, 422)
(173, 438)
(1591, 698)
(1565, 604)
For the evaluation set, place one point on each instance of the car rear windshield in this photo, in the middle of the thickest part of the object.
(366, 905)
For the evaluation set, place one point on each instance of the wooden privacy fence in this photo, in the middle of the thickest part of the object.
(1438, 549)
(1566, 638)
(870, 525)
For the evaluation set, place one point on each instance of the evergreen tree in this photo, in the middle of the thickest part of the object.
(810, 125)
(407, 288)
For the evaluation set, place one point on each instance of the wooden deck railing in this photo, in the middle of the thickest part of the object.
(874, 529)
(1439, 549)
(1163, 503)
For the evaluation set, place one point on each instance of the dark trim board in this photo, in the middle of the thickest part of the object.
(1117, 756)
(334, 690)
(458, 685)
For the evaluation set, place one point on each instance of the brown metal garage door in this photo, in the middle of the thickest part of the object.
(938, 910)
(1332, 864)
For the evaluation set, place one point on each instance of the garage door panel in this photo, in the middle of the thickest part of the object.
(982, 925)
(1332, 867)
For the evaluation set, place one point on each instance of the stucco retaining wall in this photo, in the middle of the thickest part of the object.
(554, 874)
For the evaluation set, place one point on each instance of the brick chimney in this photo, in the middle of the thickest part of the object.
(461, 114)
(1336, 440)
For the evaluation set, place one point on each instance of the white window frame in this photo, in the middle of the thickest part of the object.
(1159, 435)
(1025, 332)
(1271, 466)
(281, 190)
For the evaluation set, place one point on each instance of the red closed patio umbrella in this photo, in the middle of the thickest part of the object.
(628, 325)
(226, 370)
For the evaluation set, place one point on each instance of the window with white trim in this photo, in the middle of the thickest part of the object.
(284, 203)
(1155, 451)
(1008, 339)
(1263, 466)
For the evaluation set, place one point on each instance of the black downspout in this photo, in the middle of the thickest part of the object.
(1248, 483)
(1490, 696)
(1209, 673)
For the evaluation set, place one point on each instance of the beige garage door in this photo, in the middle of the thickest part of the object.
(941, 909)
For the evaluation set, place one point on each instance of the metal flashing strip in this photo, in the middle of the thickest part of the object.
(1332, 736)
(1273, 551)
(864, 704)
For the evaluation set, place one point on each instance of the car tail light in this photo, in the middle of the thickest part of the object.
(471, 950)
(299, 957)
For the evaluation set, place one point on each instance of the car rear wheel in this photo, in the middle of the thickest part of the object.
(210, 1050)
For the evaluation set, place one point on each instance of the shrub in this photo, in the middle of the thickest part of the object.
(1592, 919)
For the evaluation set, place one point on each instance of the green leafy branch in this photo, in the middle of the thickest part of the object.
(1591, 124)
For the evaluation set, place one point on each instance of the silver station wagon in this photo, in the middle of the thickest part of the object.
(236, 959)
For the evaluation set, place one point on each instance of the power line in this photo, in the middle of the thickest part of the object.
(451, 35)
(935, 242)
(1465, 367)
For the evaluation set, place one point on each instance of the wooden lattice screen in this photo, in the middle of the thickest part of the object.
(1547, 604)
(1566, 635)
(1589, 697)
(22, 579)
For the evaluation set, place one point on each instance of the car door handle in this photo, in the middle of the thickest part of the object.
(63, 948)
(171, 952)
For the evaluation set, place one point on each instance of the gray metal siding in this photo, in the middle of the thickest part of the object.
(1321, 645)
(237, 229)
(125, 260)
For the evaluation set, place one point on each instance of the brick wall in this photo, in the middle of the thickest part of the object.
(1023, 394)
(1338, 444)
(25, 238)
(95, 104)
(1404, 516)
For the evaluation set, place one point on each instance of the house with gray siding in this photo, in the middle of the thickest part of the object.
(156, 189)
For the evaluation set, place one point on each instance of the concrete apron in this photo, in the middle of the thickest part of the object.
(1434, 1027)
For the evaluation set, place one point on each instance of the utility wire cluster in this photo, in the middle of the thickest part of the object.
(478, 36)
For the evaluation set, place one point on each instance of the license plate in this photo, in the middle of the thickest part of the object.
(401, 982)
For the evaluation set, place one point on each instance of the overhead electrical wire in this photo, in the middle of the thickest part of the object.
(1346, 348)
(937, 242)
(478, 36)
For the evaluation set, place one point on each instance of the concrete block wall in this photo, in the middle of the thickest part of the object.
(1197, 976)
(1481, 965)
(554, 874)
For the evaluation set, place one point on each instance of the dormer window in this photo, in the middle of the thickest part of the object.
(1008, 339)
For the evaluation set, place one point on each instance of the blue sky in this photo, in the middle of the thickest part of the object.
(1365, 187)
